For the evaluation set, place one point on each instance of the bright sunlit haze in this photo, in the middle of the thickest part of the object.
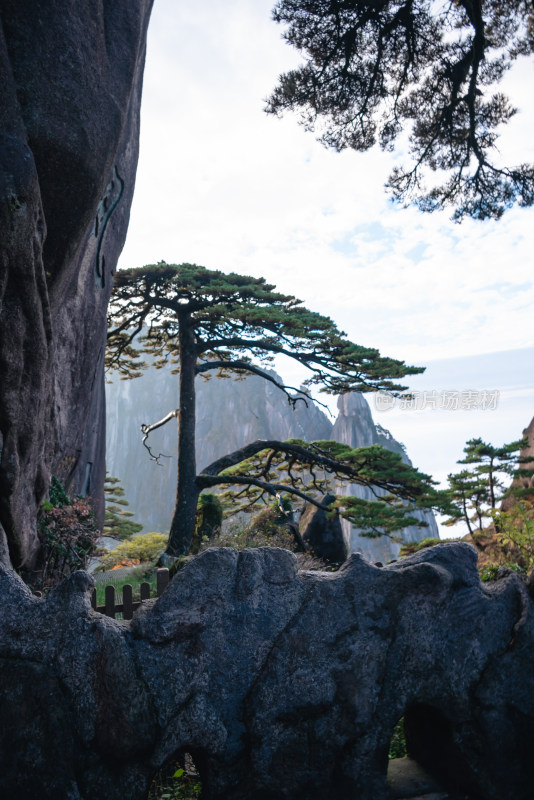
(222, 184)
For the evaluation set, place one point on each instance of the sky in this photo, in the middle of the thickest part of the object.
(222, 184)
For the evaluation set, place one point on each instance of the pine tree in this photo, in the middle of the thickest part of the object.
(477, 492)
(375, 70)
(469, 493)
(204, 321)
(494, 464)
(117, 522)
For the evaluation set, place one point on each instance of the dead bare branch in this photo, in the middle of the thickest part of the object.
(146, 430)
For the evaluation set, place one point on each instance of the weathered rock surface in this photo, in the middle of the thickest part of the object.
(322, 534)
(526, 482)
(354, 426)
(281, 684)
(71, 76)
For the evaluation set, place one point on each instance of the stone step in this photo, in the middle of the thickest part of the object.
(407, 780)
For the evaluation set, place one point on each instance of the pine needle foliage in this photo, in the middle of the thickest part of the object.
(234, 319)
(205, 322)
(377, 72)
(118, 522)
(492, 473)
(305, 471)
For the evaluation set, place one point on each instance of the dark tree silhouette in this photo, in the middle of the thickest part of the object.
(376, 68)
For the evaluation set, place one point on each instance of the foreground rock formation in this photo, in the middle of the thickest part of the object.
(71, 76)
(281, 684)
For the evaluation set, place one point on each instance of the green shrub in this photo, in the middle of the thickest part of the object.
(431, 541)
(57, 494)
(144, 548)
(489, 572)
(208, 521)
(68, 536)
(515, 528)
(397, 746)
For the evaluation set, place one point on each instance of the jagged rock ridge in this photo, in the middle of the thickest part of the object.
(229, 415)
(280, 683)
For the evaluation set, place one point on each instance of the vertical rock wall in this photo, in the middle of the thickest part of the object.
(71, 76)
(354, 426)
(229, 415)
(526, 482)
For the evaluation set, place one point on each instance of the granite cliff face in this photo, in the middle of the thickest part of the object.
(354, 426)
(71, 76)
(527, 452)
(229, 415)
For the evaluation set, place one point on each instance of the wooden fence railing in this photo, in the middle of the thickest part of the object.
(128, 606)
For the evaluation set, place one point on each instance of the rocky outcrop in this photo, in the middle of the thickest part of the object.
(526, 482)
(323, 535)
(71, 76)
(281, 684)
(354, 426)
(528, 453)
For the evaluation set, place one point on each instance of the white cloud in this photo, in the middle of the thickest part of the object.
(222, 184)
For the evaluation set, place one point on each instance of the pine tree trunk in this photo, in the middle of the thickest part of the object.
(466, 517)
(491, 485)
(187, 491)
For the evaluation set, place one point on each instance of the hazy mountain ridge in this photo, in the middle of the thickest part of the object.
(230, 414)
(354, 426)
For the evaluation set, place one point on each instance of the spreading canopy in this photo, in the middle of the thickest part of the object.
(306, 471)
(235, 319)
(204, 321)
(376, 68)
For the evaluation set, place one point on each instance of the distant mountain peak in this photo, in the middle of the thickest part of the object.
(229, 415)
